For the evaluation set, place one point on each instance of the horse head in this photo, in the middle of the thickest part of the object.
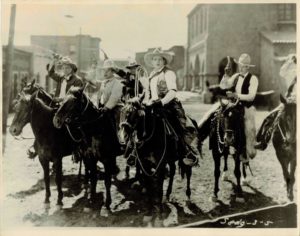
(233, 119)
(288, 119)
(22, 108)
(227, 66)
(73, 106)
(130, 114)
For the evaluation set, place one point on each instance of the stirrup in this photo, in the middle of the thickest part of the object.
(131, 160)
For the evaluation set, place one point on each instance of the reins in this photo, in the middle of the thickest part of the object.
(135, 148)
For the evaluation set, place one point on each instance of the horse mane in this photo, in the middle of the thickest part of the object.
(40, 105)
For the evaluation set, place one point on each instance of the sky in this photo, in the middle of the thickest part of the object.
(123, 29)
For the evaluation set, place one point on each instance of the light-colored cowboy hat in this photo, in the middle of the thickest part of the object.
(132, 64)
(245, 60)
(108, 64)
(158, 52)
(68, 61)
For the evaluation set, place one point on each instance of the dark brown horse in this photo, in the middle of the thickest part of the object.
(154, 146)
(284, 141)
(226, 132)
(98, 130)
(51, 144)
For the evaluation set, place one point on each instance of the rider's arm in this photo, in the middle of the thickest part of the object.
(53, 75)
(170, 77)
(252, 90)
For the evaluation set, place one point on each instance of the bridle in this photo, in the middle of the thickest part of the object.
(71, 117)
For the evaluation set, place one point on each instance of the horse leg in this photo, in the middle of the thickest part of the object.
(58, 180)
(225, 169)
(292, 180)
(93, 178)
(237, 173)
(45, 165)
(284, 166)
(217, 163)
(86, 175)
(188, 182)
(158, 181)
(127, 169)
(172, 173)
(244, 180)
(107, 183)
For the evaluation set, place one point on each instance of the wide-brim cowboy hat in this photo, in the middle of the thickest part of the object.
(244, 60)
(132, 64)
(68, 61)
(158, 52)
(108, 64)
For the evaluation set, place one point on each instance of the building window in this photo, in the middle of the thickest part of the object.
(201, 20)
(286, 12)
(192, 28)
(204, 19)
(197, 24)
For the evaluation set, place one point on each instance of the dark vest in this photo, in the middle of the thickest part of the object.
(245, 90)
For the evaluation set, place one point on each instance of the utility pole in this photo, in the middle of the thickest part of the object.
(79, 51)
(7, 80)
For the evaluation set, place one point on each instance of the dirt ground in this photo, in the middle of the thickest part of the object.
(23, 190)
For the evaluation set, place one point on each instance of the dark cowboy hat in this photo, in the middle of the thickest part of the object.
(132, 64)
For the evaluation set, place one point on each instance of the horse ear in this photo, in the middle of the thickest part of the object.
(282, 99)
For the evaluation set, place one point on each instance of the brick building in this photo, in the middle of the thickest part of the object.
(82, 49)
(177, 63)
(22, 69)
(40, 58)
(265, 31)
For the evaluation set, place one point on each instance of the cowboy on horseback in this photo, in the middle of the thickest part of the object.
(65, 80)
(287, 71)
(244, 88)
(110, 92)
(134, 79)
(161, 93)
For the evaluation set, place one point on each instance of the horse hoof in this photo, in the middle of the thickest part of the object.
(104, 212)
(147, 219)
(225, 176)
(244, 182)
(158, 223)
(213, 199)
(58, 207)
(47, 205)
(240, 199)
(87, 210)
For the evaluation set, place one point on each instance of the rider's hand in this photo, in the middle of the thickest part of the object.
(231, 95)
(157, 104)
(57, 100)
(103, 109)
